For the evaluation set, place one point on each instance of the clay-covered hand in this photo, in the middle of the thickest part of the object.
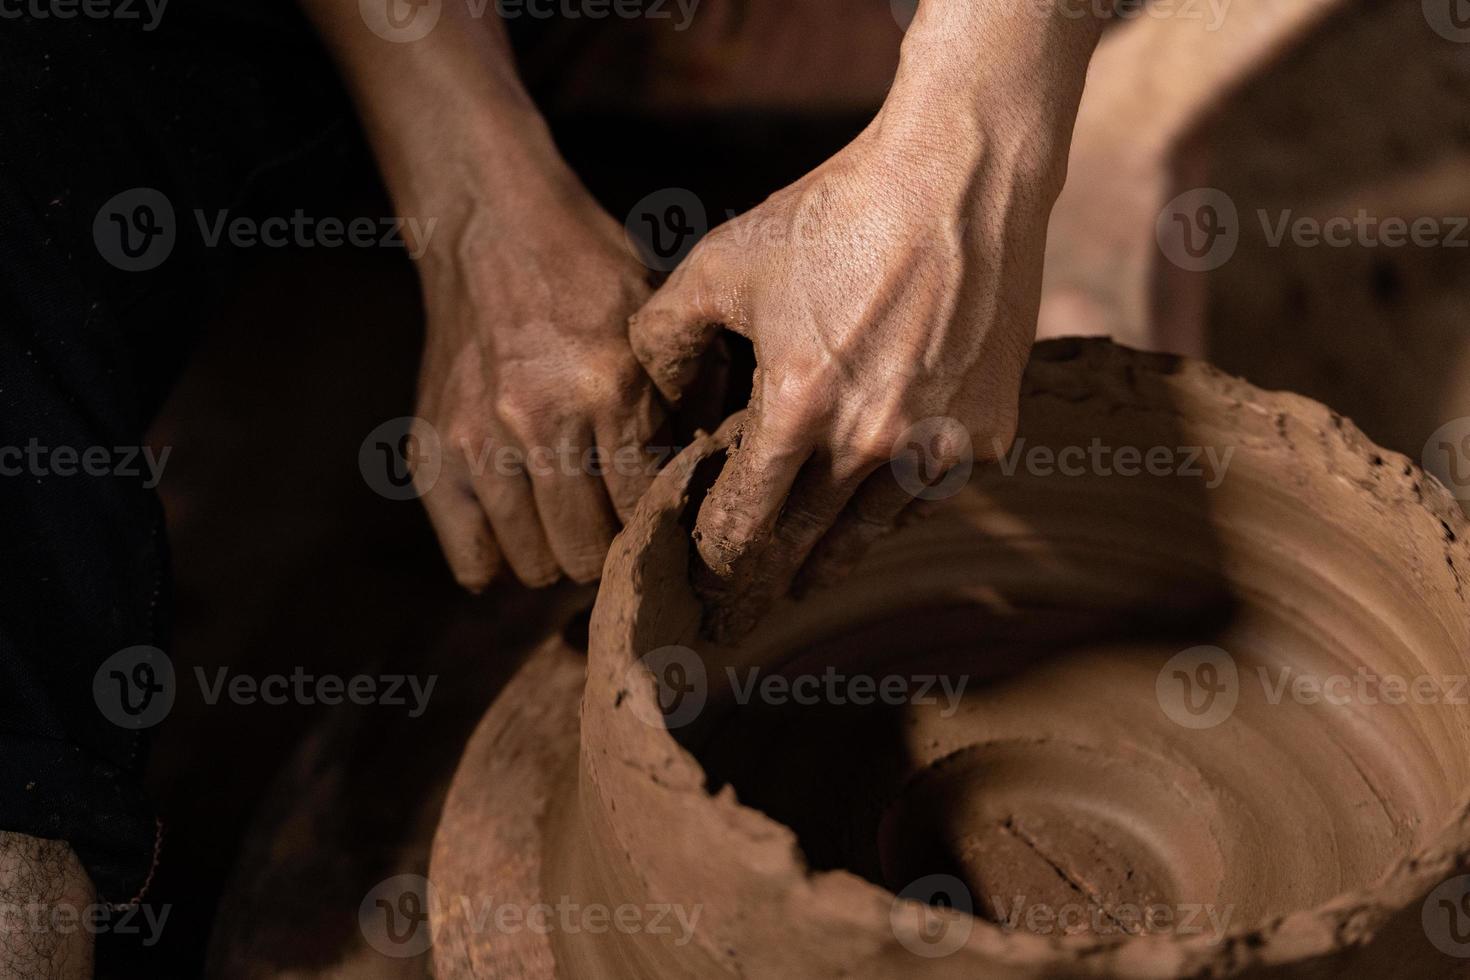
(891, 297)
(542, 412)
(540, 408)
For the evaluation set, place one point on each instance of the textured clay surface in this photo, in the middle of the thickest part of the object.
(1080, 762)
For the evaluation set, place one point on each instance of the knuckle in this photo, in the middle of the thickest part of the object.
(650, 336)
(521, 410)
(709, 252)
(538, 576)
(582, 557)
(799, 520)
(462, 432)
(790, 417)
(472, 579)
(616, 392)
(726, 535)
(584, 571)
(871, 446)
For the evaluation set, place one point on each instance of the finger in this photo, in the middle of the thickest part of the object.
(673, 329)
(503, 493)
(874, 510)
(628, 461)
(817, 500)
(573, 505)
(464, 535)
(739, 514)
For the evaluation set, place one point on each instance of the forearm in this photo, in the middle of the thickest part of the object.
(44, 895)
(977, 72)
(446, 114)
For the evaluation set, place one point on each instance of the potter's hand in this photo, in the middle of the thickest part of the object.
(897, 283)
(526, 369)
(527, 285)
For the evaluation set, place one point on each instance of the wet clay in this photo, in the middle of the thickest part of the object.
(1073, 748)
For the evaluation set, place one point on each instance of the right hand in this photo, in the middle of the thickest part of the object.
(526, 369)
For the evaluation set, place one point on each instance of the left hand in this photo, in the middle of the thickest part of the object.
(896, 283)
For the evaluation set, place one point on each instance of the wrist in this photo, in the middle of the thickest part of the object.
(992, 78)
(445, 113)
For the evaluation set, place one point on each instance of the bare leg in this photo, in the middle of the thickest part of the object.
(44, 893)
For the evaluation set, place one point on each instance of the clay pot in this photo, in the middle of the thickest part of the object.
(1199, 721)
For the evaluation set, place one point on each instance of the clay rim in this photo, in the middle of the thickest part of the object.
(1349, 918)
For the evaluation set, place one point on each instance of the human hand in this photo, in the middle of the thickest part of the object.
(543, 414)
(891, 296)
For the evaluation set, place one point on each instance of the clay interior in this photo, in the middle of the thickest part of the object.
(1058, 600)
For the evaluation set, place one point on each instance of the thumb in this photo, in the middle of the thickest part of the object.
(671, 332)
